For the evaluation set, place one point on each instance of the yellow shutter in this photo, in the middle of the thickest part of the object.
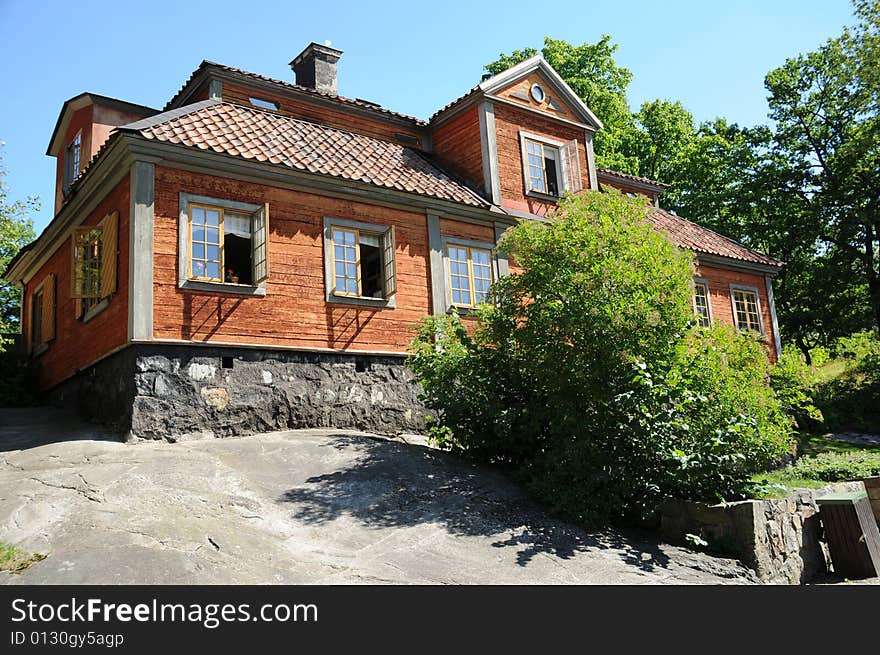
(47, 328)
(109, 246)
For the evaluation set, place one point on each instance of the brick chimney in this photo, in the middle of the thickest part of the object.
(315, 67)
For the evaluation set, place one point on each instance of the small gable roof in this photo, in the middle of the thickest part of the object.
(84, 100)
(537, 63)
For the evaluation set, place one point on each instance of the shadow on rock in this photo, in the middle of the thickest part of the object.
(396, 485)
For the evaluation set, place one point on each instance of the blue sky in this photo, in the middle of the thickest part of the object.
(411, 57)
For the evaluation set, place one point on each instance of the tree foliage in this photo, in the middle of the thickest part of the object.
(16, 230)
(805, 189)
(586, 376)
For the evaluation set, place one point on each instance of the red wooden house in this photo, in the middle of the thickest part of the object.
(254, 255)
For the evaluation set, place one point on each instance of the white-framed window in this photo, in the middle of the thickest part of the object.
(702, 303)
(746, 308)
(93, 266)
(470, 271)
(550, 167)
(72, 161)
(360, 262)
(223, 245)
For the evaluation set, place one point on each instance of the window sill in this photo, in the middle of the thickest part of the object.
(461, 311)
(94, 311)
(364, 301)
(543, 196)
(224, 287)
(39, 349)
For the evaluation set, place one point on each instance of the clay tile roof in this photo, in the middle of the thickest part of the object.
(700, 239)
(626, 176)
(250, 133)
(453, 103)
(366, 104)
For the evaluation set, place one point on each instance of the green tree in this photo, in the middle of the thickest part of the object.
(16, 230)
(664, 130)
(825, 157)
(585, 375)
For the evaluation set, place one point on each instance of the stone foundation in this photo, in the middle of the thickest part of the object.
(779, 538)
(179, 392)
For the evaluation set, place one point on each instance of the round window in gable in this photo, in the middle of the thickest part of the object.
(538, 92)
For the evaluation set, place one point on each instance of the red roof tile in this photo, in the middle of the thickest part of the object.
(267, 137)
(700, 239)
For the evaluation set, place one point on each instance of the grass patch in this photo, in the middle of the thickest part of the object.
(13, 560)
(822, 461)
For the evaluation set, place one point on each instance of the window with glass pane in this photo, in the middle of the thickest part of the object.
(345, 262)
(205, 243)
(470, 275)
(482, 273)
(90, 272)
(543, 165)
(701, 304)
(537, 182)
(747, 315)
(72, 156)
(459, 276)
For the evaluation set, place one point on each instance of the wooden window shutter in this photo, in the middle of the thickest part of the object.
(109, 247)
(389, 263)
(260, 244)
(47, 327)
(573, 182)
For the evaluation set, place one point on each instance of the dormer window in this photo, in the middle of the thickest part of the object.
(550, 167)
(72, 156)
(544, 169)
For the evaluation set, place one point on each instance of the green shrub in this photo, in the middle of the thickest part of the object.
(587, 377)
(835, 467)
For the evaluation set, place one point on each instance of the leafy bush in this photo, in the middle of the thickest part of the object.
(835, 467)
(587, 377)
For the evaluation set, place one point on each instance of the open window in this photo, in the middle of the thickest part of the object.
(550, 167)
(224, 245)
(361, 261)
(94, 270)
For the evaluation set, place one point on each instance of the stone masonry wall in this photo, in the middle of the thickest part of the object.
(186, 392)
(779, 538)
(102, 393)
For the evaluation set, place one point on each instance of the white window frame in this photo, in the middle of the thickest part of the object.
(464, 243)
(561, 171)
(330, 294)
(705, 283)
(750, 289)
(183, 246)
(72, 166)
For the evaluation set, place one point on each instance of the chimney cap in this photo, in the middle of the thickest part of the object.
(316, 49)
